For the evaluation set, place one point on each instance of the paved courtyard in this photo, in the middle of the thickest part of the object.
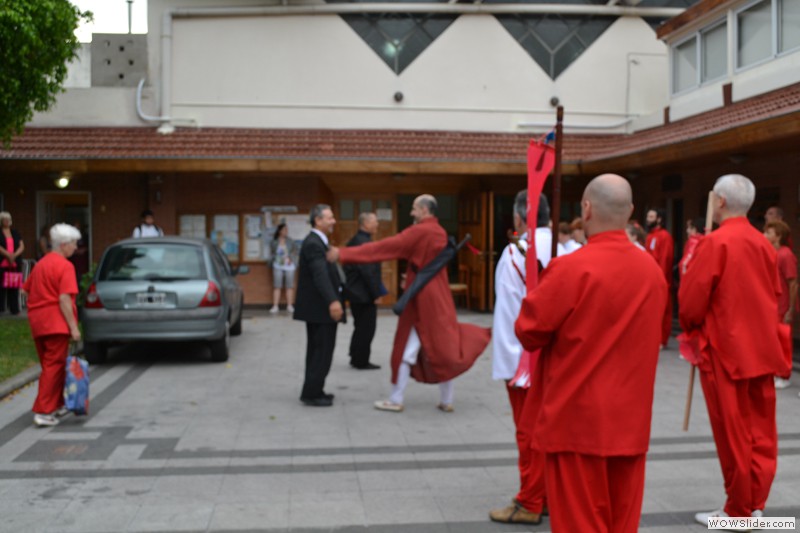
(176, 443)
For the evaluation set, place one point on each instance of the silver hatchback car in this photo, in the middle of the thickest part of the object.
(163, 289)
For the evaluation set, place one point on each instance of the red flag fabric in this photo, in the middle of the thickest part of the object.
(541, 160)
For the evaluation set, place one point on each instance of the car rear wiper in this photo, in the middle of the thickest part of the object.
(156, 277)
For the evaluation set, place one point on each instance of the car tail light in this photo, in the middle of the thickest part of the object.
(212, 297)
(93, 300)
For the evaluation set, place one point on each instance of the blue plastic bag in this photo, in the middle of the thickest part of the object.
(76, 385)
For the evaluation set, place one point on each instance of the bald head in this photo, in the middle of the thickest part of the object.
(607, 204)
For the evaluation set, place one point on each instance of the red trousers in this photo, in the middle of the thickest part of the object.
(53, 351)
(593, 494)
(531, 462)
(742, 415)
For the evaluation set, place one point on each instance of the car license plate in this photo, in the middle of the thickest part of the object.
(151, 298)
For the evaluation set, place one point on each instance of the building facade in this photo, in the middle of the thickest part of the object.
(226, 120)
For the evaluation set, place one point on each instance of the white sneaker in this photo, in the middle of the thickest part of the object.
(386, 405)
(274, 309)
(781, 383)
(62, 412)
(290, 308)
(44, 420)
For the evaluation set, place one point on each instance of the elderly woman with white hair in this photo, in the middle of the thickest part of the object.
(53, 319)
(11, 248)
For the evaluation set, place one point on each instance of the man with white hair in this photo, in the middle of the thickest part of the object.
(590, 403)
(729, 301)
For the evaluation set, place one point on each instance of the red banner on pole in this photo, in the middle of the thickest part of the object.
(541, 160)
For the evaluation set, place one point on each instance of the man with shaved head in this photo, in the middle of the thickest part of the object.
(429, 345)
(591, 396)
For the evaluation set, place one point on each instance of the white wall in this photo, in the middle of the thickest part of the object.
(316, 72)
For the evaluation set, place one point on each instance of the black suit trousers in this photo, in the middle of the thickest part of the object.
(321, 339)
(365, 317)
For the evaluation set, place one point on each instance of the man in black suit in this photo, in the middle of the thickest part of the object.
(363, 289)
(319, 305)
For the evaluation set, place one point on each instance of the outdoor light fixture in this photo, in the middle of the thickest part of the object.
(63, 180)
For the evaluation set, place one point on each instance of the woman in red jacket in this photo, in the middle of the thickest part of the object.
(53, 318)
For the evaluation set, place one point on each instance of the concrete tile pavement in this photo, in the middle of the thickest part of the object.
(175, 443)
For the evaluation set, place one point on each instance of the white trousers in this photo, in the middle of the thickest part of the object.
(413, 345)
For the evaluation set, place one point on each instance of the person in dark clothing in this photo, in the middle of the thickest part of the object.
(319, 305)
(363, 289)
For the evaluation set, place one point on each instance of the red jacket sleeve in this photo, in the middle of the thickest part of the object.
(545, 308)
(698, 284)
(396, 247)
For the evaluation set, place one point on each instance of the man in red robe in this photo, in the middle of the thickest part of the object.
(729, 300)
(661, 246)
(429, 345)
(590, 402)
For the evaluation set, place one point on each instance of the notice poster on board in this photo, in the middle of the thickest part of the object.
(253, 237)
(225, 234)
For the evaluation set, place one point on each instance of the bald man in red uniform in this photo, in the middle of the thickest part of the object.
(662, 247)
(590, 402)
(729, 299)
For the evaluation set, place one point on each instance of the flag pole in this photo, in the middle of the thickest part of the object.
(708, 228)
(556, 214)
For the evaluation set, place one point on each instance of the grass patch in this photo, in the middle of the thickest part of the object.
(17, 351)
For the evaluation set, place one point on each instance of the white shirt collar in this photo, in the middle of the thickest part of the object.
(321, 236)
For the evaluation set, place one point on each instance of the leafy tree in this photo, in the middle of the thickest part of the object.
(37, 40)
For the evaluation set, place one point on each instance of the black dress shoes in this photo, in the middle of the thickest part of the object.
(322, 401)
(368, 366)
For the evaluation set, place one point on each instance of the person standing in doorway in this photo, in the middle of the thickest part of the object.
(363, 289)
(148, 227)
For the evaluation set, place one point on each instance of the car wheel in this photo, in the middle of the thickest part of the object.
(95, 352)
(236, 328)
(220, 348)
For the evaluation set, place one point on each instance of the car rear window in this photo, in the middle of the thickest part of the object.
(165, 262)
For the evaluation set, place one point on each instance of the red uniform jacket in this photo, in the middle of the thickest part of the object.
(53, 276)
(448, 348)
(592, 315)
(729, 295)
(660, 244)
